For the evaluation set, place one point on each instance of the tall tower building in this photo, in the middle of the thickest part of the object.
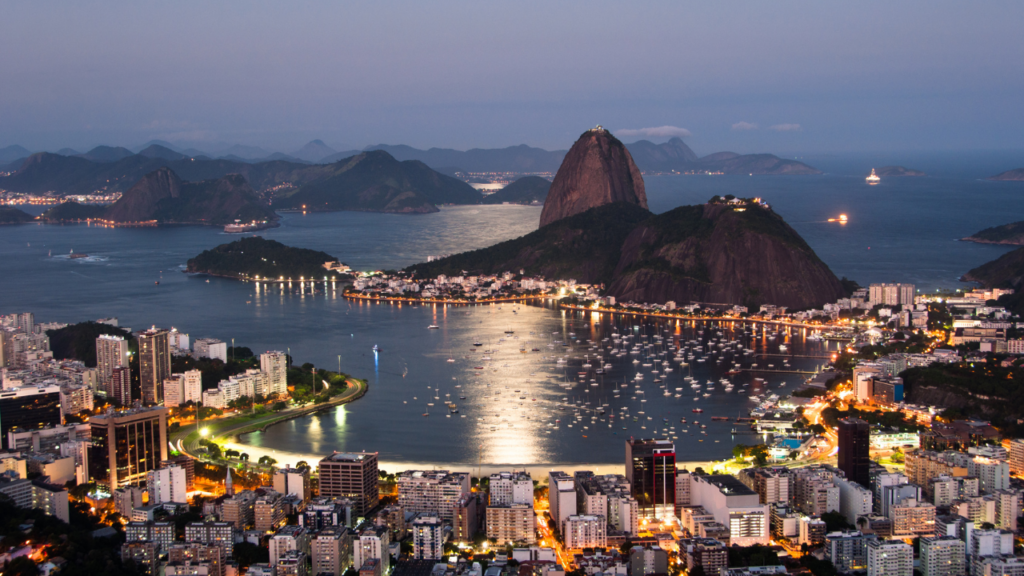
(651, 472)
(126, 445)
(275, 366)
(119, 387)
(154, 363)
(351, 475)
(854, 439)
(111, 353)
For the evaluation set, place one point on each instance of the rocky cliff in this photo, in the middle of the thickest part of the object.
(597, 170)
(724, 254)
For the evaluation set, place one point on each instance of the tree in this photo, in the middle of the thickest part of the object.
(21, 566)
(247, 553)
(243, 457)
(302, 465)
(626, 547)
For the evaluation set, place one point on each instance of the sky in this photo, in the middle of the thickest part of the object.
(781, 76)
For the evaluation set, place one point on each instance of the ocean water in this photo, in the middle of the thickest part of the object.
(901, 230)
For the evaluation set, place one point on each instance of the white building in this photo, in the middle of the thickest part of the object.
(508, 488)
(111, 352)
(211, 348)
(167, 485)
(943, 556)
(193, 386)
(372, 543)
(174, 390)
(890, 558)
(855, 500)
(288, 538)
(275, 366)
(585, 531)
(993, 474)
(435, 491)
(734, 505)
(561, 496)
(428, 537)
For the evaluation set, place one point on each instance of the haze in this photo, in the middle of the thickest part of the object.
(744, 76)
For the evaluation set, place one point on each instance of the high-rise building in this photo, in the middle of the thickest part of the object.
(275, 365)
(890, 558)
(29, 408)
(191, 557)
(167, 484)
(437, 491)
(1017, 456)
(211, 348)
(848, 551)
(854, 441)
(331, 550)
(174, 390)
(943, 556)
(585, 531)
(193, 387)
(212, 534)
(293, 481)
(651, 472)
(507, 488)
(427, 537)
(891, 294)
(154, 364)
(515, 523)
(994, 475)
(119, 387)
(111, 352)
(351, 475)
(268, 511)
(288, 538)
(126, 445)
(561, 497)
(372, 544)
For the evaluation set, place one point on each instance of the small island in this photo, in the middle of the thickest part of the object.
(1008, 234)
(10, 215)
(525, 190)
(259, 259)
(890, 171)
(1015, 175)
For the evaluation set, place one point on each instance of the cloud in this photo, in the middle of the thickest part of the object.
(740, 126)
(657, 132)
(786, 128)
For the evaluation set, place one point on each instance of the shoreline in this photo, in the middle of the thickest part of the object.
(351, 296)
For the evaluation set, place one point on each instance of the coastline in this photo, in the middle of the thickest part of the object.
(351, 296)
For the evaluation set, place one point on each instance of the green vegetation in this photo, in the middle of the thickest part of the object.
(11, 215)
(308, 386)
(985, 389)
(214, 370)
(1012, 233)
(78, 341)
(256, 256)
(756, 555)
(73, 211)
(832, 415)
(1007, 271)
(835, 521)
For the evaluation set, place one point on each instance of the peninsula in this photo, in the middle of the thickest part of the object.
(265, 260)
(1011, 234)
(891, 171)
(10, 215)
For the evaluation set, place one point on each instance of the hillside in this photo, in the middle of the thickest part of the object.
(161, 195)
(525, 190)
(891, 171)
(1015, 175)
(1011, 234)
(11, 215)
(377, 182)
(1007, 271)
(256, 256)
(585, 247)
(69, 211)
(743, 164)
(714, 253)
(520, 158)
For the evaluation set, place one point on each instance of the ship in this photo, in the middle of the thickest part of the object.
(239, 227)
(873, 178)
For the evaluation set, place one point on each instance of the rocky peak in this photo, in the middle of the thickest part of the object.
(597, 170)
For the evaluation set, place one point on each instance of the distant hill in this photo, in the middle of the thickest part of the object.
(525, 190)
(11, 215)
(1014, 175)
(889, 171)
(376, 182)
(520, 158)
(68, 152)
(757, 164)
(256, 256)
(315, 151)
(12, 153)
(158, 151)
(161, 195)
(71, 211)
(244, 152)
(1011, 234)
(652, 157)
(1007, 271)
(104, 154)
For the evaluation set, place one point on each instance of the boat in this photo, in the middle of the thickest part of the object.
(697, 410)
(478, 343)
(376, 348)
(873, 178)
(433, 327)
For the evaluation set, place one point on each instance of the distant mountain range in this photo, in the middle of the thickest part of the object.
(1014, 175)
(671, 156)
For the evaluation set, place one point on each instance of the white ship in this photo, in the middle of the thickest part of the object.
(873, 178)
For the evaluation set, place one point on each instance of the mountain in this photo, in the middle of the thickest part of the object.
(1007, 271)
(256, 256)
(376, 182)
(158, 151)
(1011, 234)
(525, 190)
(1014, 175)
(68, 152)
(716, 253)
(315, 151)
(12, 153)
(651, 157)
(244, 152)
(597, 170)
(585, 247)
(743, 164)
(520, 158)
(104, 154)
(161, 144)
(11, 215)
(161, 195)
(897, 171)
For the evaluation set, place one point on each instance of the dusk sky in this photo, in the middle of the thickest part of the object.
(783, 77)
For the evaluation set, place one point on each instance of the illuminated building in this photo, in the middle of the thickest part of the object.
(651, 472)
